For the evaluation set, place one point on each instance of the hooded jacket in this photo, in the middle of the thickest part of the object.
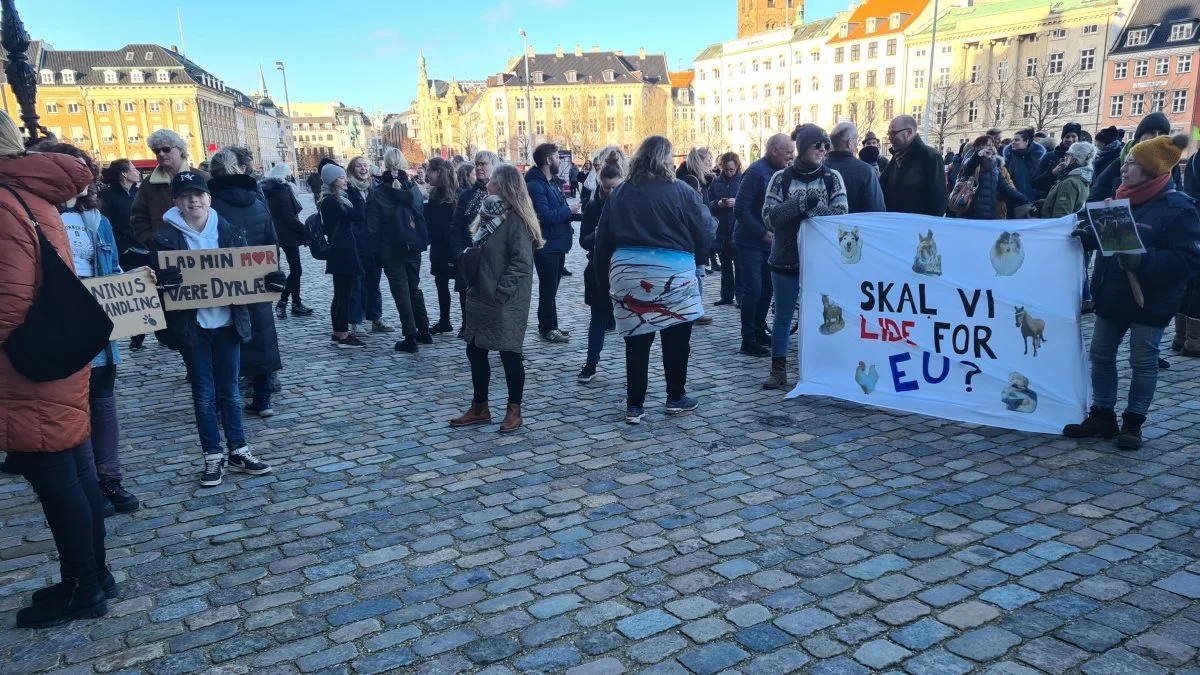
(1069, 194)
(1022, 166)
(285, 212)
(554, 215)
(152, 201)
(395, 222)
(37, 416)
(915, 181)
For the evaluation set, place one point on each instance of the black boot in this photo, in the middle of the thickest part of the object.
(407, 345)
(108, 585)
(1099, 424)
(121, 498)
(78, 599)
(1131, 431)
(424, 336)
(442, 326)
(281, 310)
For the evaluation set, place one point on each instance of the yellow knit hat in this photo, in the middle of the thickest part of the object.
(1158, 156)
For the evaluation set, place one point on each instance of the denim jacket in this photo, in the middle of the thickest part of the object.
(107, 262)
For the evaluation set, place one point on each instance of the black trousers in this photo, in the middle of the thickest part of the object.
(728, 280)
(481, 374)
(442, 282)
(292, 253)
(339, 309)
(65, 482)
(549, 271)
(404, 280)
(676, 348)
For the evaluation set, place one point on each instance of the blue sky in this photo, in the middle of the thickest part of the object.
(364, 53)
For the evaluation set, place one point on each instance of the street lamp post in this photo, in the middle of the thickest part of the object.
(20, 73)
(287, 100)
(528, 96)
(929, 82)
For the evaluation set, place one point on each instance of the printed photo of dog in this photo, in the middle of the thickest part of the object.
(1007, 254)
(850, 245)
(927, 260)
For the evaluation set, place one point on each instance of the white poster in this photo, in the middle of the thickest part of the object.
(969, 320)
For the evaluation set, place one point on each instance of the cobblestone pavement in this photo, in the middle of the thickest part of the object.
(756, 535)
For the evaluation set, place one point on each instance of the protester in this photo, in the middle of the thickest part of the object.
(210, 339)
(874, 156)
(153, 197)
(806, 189)
(236, 198)
(285, 214)
(466, 174)
(94, 252)
(1048, 171)
(1151, 126)
(554, 216)
(507, 233)
(863, 194)
(1109, 142)
(647, 241)
(915, 179)
(1169, 226)
(1070, 193)
(611, 175)
(722, 195)
(398, 236)
(1021, 158)
(366, 302)
(584, 174)
(470, 198)
(340, 208)
(439, 220)
(45, 425)
(116, 205)
(697, 173)
(752, 242)
(573, 179)
(992, 186)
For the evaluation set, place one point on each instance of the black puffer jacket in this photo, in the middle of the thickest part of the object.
(396, 221)
(439, 219)
(117, 205)
(991, 186)
(285, 212)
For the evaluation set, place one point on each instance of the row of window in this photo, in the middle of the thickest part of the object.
(110, 76)
(315, 138)
(1162, 66)
(1137, 103)
(1182, 30)
(133, 133)
(52, 107)
(556, 102)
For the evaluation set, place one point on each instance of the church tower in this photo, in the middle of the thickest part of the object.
(756, 16)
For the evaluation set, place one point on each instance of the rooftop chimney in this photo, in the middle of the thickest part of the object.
(595, 49)
(578, 50)
(530, 53)
(558, 51)
(175, 48)
(641, 52)
(618, 52)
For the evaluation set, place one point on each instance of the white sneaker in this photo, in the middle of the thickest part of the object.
(357, 330)
(381, 326)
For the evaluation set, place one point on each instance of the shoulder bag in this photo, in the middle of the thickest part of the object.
(65, 327)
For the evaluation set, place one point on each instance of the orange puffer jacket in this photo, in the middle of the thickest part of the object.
(36, 416)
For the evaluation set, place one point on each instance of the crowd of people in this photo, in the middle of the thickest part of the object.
(653, 231)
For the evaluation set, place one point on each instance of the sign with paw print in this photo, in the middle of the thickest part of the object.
(130, 300)
(218, 277)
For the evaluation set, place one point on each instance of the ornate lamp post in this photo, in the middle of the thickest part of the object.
(19, 72)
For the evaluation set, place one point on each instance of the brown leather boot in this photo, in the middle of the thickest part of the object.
(1181, 332)
(477, 414)
(512, 419)
(1191, 342)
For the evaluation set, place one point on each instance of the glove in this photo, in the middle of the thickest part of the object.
(276, 281)
(1087, 237)
(1130, 262)
(1023, 211)
(169, 278)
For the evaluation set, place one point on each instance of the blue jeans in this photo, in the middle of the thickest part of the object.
(1107, 335)
(215, 359)
(754, 285)
(787, 289)
(597, 327)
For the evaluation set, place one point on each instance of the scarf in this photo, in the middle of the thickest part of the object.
(474, 200)
(492, 214)
(1144, 192)
(806, 175)
(341, 196)
(1084, 172)
(363, 186)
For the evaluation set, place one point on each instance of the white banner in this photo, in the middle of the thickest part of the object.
(969, 320)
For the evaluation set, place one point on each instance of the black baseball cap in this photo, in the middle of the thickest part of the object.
(188, 181)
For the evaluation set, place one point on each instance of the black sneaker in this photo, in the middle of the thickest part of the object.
(425, 337)
(79, 600)
(244, 461)
(281, 311)
(351, 341)
(441, 327)
(299, 309)
(634, 414)
(751, 348)
(682, 404)
(121, 499)
(408, 345)
(722, 303)
(214, 470)
(108, 585)
(587, 374)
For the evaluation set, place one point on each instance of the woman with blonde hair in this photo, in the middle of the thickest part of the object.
(470, 197)
(366, 303)
(504, 234)
(396, 227)
(439, 215)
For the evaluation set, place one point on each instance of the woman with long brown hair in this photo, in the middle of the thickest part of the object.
(439, 215)
(505, 232)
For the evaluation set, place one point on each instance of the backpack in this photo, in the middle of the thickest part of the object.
(318, 244)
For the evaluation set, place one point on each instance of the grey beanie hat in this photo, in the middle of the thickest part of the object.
(331, 172)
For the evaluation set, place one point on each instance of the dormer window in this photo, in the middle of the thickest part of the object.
(110, 77)
(1137, 37)
(47, 77)
(68, 77)
(162, 76)
(1181, 31)
(538, 77)
(149, 56)
(870, 25)
(572, 76)
(128, 56)
(609, 75)
(844, 30)
(137, 76)
(894, 21)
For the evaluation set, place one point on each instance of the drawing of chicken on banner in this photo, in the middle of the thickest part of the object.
(970, 320)
(653, 289)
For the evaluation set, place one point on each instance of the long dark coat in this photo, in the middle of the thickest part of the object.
(497, 311)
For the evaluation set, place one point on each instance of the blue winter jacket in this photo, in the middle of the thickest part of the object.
(554, 215)
(1022, 165)
(723, 188)
(106, 262)
(748, 226)
(1171, 236)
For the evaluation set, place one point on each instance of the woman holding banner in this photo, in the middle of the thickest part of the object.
(1139, 293)
(210, 338)
(94, 252)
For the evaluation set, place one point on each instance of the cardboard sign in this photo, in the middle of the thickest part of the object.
(130, 300)
(970, 320)
(217, 277)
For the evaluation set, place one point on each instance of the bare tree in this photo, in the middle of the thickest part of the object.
(866, 108)
(711, 134)
(654, 115)
(1043, 98)
(582, 119)
(469, 130)
(411, 149)
(947, 104)
(520, 146)
(997, 96)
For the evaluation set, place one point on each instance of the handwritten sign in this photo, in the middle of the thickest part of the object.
(220, 276)
(971, 320)
(130, 300)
